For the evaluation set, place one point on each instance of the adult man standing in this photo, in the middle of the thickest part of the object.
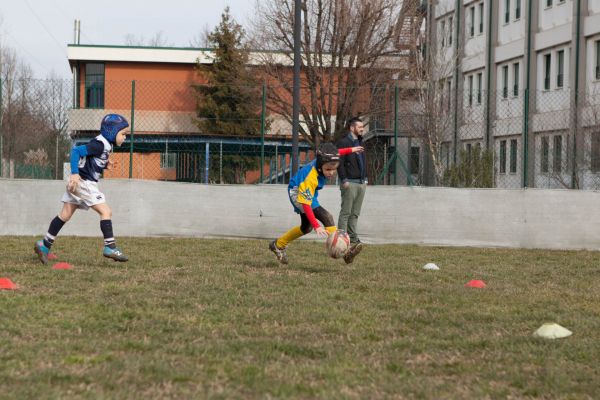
(352, 173)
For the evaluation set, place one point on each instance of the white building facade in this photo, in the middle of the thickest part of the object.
(527, 80)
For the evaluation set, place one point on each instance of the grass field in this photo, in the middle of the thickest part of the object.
(221, 319)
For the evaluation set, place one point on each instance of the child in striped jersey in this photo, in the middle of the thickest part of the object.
(303, 192)
(87, 163)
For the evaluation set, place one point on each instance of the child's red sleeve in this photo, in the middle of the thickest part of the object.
(310, 215)
(345, 151)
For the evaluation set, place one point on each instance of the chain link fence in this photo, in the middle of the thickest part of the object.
(430, 135)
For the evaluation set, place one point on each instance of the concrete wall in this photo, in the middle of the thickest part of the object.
(532, 218)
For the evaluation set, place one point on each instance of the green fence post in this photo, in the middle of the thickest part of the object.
(132, 130)
(525, 141)
(396, 153)
(262, 131)
(206, 162)
(575, 125)
(56, 160)
(1, 137)
(524, 162)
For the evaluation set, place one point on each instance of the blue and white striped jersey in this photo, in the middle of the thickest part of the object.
(91, 166)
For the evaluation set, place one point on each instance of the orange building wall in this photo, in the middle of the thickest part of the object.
(158, 86)
(145, 166)
(168, 87)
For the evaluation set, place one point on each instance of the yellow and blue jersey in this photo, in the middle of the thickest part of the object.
(305, 185)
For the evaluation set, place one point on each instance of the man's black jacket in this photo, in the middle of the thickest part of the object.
(349, 165)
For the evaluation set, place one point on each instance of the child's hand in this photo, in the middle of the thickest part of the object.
(321, 232)
(73, 183)
(111, 165)
(358, 149)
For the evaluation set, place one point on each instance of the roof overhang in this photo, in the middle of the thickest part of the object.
(190, 55)
(171, 55)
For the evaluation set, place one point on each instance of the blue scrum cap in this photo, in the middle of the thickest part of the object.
(111, 125)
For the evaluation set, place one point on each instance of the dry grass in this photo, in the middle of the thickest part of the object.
(220, 319)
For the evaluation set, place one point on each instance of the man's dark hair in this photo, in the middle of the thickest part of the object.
(353, 120)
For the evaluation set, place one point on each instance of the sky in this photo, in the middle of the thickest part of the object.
(39, 30)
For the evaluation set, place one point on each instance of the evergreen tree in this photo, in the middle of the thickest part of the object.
(230, 102)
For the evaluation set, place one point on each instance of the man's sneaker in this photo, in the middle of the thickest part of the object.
(279, 253)
(115, 254)
(353, 251)
(42, 251)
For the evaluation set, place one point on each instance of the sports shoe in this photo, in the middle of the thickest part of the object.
(115, 254)
(279, 253)
(42, 251)
(353, 251)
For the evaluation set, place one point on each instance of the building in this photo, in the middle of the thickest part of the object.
(154, 88)
(524, 82)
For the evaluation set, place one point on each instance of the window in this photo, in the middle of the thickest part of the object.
(441, 94)
(545, 154)
(502, 157)
(597, 59)
(557, 159)
(449, 88)
(470, 90)
(479, 84)
(547, 61)
(480, 17)
(469, 150)
(513, 156)
(517, 9)
(94, 85)
(515, 79)
(506, 11)
(450, 29)
(443, 32)
(414, 159)
(472, 28)
(560, 67)
(168, 160)
(446, 154)
(505, 81)
(548, 3)
(595, 152)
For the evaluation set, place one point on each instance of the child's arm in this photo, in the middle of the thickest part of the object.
(313, 220)
(349, 150)
(93, 148)
(76, 153)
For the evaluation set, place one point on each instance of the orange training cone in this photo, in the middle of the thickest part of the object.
(475, 284)
(6, 283)
(62, 265)
(52, 257)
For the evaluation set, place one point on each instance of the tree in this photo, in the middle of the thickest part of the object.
(16, 105)
(33, 117)
(155, 41)
(474, 170)
(349, 47)
(432, 115)
(201, 39)
(229, 103)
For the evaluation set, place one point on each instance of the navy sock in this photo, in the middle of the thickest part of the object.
(109, 238)
(55, 227)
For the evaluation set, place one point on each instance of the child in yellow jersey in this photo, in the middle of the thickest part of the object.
(303, 192)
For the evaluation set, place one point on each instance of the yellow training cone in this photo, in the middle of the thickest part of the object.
(552, 331)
